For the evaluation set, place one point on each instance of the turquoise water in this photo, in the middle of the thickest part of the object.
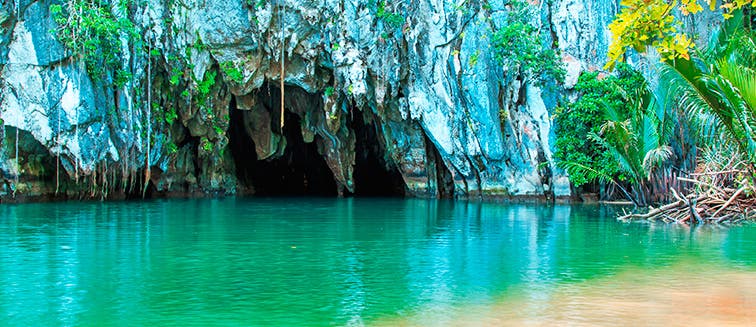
(313, 262)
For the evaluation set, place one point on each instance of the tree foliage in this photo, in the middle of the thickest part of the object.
(519, 47)
(652, 23)
(598, 92)
(624, 138)
(718, 87)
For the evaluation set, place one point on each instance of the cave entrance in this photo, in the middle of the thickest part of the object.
(374, 173)
(296, 170)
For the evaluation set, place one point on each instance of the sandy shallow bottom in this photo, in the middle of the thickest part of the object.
(682, 295)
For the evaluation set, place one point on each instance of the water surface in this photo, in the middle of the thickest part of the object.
(319, 262)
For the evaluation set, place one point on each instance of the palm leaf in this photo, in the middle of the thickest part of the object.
(742, 78)
(591, 174)
(656, 157)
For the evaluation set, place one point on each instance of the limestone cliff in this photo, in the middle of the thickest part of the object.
(417, 99)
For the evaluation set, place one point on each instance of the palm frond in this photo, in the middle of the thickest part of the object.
(741, 78)
(656, 157)
(572, 167)
(619, 154)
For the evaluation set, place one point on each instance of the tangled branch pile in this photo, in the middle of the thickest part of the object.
(720, 193)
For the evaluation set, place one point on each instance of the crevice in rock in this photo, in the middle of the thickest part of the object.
(444, 178)
(374, 173)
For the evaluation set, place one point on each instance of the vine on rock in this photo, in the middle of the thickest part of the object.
(519, 47)
(92, 30)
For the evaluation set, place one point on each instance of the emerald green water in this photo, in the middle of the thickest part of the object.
(312, 262)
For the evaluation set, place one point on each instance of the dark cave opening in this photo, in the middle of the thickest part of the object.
(299, 171)
(374, 174)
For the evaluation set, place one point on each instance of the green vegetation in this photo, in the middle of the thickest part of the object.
(651, 23)
(256, 4)
(176, 75)
(616, 133)
(170, 116)
(389, 17)
(171, 147)
(206, 145)
(329, 91)
(519, 47)
(474, 58)
(91, 31)
(204, 86)
(598, 92)
(718, 87)
(709, 92)
(233, 72)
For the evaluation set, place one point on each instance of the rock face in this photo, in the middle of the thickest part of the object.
(415, 97)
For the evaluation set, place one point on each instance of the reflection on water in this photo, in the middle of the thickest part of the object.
(360, 261)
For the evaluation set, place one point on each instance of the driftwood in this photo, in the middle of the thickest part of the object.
(712, 199)
(703, 209)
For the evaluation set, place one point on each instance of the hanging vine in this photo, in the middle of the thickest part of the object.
(147, 172)
(281, 15)
(91, 31)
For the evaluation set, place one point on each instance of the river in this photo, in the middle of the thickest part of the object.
(372, 262)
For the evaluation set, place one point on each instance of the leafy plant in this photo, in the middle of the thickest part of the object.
(204, 87)
(233, 72)
(206, 145)
(329, 91)
(90, 30)
(518, 46)
(575, 121)
(257, 4)
(121, 77)
(616, 133)
(651, 23)
(170, 116)
(176, 75)
(717, 87)
(171, 147)
(474, 58)
(391, 19)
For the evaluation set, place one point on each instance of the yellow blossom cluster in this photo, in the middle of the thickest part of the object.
(651, 23)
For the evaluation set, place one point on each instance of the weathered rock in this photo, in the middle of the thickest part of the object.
(445, 112)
